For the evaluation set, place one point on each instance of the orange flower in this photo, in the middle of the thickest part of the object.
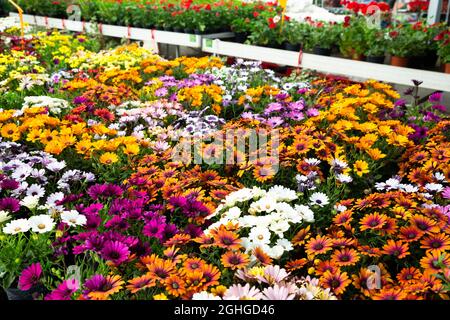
(345, 257)
(175, 285)
(227, 239)
(390, 294)
(434, 262)
(337, 281)
(372, 221)
(235, 260)
(439, 243)
(318, 245)
(140, 283)
(397, 249)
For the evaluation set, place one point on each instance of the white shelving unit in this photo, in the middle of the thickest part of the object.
(332, 65)
(212, 44)
(147, 35)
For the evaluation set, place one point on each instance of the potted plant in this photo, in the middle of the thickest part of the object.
(443, 41)
(295, 35)
(267, 33)
(352, 43)
(241, 28)
(402, 45)
(324, 36)
(376, 48)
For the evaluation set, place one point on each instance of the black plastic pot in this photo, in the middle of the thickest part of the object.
(322, 51)
(17, 294)
(430, 59)
(375, 59)
(292, 47)
(188, 31)
(240, 37)
(196, 31)
(167, 29)
(176, 29)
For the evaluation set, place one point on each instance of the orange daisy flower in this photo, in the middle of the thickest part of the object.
(318, 245)
(410, 233)
(373, 221)
(434, 262)
(436, 243)
(261, 256)
(193, 264)
(397, 249)
(390, 294)
(324, 266)
(345, 257)
(140, 283)
(424, 224)
(160, 269)
(409, 274)
(337, 281)
(175, 285)
(301, 236)
(211, 275)
(296, 264)
(227, 239)
(235, 260)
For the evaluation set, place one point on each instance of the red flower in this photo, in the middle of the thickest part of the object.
(346, 21)
(255, 14)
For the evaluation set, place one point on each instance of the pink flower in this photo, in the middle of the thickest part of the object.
(30, 277)
(64, 291)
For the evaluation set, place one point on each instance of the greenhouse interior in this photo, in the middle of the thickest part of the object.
(224, 150)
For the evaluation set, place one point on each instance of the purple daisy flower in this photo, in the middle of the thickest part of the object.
(96, 191)
(30, 276)
(64, 291)
(115, 251)
(154, 229)
(9, 204)
(435, 97)
(9, 184)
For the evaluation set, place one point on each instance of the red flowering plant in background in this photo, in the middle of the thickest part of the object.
(366, 9)
(418, 5)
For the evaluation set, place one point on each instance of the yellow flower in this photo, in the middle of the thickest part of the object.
(109, 158)
(10, 131)
(375, 154)
(361, 167)
(160, 296)
(131, 149)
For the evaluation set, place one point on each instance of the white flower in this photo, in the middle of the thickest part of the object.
(285, 244)
(280, 193)
(409, 188)
(233, 213)
(36, 191)
(434, 187)
(42, 223)
(306, 212)
(392, 184)
(56, 166)
(285, 211)
(248, 221)
(53, 199)
(312, 161)
(380, 185)
(340, 208)
(259, 235)
(204, 295)
(21, 173)
(343, 178)
(30, 202)
(4, 216)
(439, 176)
(265, 204)
(16, 226)
(319, 198)
(73, 218)
(279, 227)
(275, 252)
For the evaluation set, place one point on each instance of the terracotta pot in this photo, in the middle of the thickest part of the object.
(447, 68)
(399, 61)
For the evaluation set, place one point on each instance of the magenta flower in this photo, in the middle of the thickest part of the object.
(9, 204)
(30, 276)
(64, 291)
(446, 193)
(154, 229)
(115, 251)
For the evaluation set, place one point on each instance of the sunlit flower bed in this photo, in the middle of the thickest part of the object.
(103, 196)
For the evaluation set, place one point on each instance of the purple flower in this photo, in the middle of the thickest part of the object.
(439, 107)
(274, 121)
(161, 92)
(64, 291)
(400, 103)
(9, 204)
(9, 184)
(80, 100)
(169, 231)
(446, 193)
(30, 277)
(193, 230)
(419, 133)
(93, 209)
(154, 229)
(435, 97)
(96, 191)
(117, 222)
(115, 251)
(312, 112)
